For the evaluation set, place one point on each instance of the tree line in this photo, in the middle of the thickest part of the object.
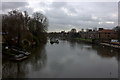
(22, 30)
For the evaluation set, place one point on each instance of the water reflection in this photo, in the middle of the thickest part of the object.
(68, 59)
(101, 50)
(106, 51)
(36, 61)
(72, 43)
(97, 58)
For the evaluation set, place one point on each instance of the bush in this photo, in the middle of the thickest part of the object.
(35, 41)
(26, 43)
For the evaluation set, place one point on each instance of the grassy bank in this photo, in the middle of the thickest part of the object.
(83, 39)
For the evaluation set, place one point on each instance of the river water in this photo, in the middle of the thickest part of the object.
(68, 59)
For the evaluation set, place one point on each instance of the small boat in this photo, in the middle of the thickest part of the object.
(21, 52)
(56, 41)
(19, 57)
(16, 54)
(53, 41)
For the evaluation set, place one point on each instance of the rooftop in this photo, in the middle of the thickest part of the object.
(107, 30)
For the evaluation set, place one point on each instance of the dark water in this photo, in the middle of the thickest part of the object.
(68, 59)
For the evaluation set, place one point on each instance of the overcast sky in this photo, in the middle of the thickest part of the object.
(68, 15)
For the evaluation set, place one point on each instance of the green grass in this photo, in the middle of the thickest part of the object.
(83, 39)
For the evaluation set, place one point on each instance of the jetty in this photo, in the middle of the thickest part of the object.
(110, 45)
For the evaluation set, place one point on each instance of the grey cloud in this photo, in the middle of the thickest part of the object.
(58, 4)
(6, 6)
(42, 4)
(13, 5)
(29, 10)
(84, 13)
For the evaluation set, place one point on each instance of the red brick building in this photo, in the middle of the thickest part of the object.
(108, 34)
(103, 34)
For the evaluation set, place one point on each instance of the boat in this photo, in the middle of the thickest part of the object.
(19, 57)
(21, 52)
(53, 40)
(16, 54)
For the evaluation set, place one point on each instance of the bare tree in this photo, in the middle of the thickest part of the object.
(38, 26)
(14, 23)
(20, 26)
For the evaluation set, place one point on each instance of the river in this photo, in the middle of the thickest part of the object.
(68, 59)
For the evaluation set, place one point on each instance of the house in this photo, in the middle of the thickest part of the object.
(107, 34)
(103, 34)
(93, 35)
(90, 34)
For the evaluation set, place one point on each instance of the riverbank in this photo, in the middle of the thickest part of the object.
(17, 53)
(85, 40)
(110, 45)
(98, 42)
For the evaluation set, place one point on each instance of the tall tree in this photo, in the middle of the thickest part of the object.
(38, 26)
(20, 26)
(14, 23)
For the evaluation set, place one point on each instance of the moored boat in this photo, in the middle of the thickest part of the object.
(19, 57)
(16, 54)
(53, 40)
(21, 52)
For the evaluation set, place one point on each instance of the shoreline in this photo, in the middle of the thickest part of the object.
(110, 45)
(99, 43)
